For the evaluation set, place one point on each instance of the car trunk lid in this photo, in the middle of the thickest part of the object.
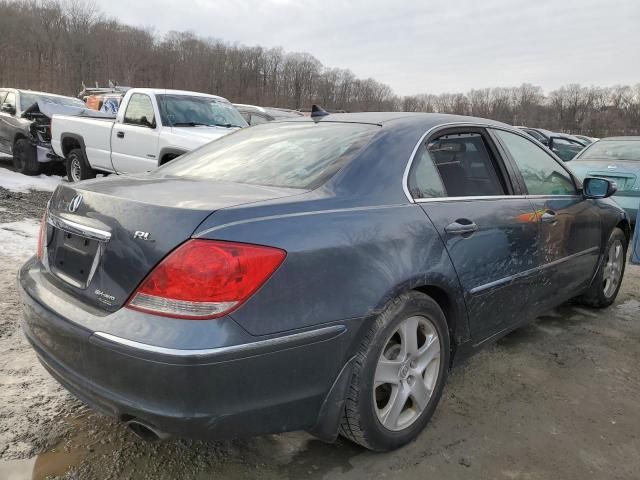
(104, 237)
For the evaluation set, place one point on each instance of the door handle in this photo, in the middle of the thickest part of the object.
(461, 227)
(120, 134)
(549, 217)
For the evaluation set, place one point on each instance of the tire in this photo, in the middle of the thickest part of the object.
(25, 159)
(606, 284)
(77, 166)
(372, 422)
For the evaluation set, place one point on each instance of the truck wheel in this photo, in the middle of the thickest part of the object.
(25, 159)
(77, 166)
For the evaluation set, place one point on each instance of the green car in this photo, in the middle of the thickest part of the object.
(617, 159)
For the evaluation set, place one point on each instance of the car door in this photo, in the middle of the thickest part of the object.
(489, 229)
(134, 142)
(570, 231)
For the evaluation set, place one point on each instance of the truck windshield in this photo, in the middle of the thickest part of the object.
(196, 111)
(280, 154)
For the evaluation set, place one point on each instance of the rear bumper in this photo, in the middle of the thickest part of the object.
(267, 385)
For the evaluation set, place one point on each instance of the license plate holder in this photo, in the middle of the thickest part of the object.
(73, 257)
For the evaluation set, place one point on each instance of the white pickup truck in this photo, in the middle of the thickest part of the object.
(152, 126)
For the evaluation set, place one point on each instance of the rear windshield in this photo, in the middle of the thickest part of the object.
(612, 150)
(27, 99)
(292, 155)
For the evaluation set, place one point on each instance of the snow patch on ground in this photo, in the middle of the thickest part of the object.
(19, 240)
(17, 182)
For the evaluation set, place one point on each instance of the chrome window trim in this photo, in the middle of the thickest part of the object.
(489, 197)
(506, 128)
(78, 229)
(278, 342)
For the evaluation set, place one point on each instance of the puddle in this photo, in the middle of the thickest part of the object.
(56, 461)
(49, 464)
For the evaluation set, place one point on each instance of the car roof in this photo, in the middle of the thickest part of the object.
(46, 94)
(419, 119)
(166, 91)
(629, 138)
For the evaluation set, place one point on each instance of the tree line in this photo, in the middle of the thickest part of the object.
(55, 45)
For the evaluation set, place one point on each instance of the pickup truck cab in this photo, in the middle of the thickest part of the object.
(152, 127)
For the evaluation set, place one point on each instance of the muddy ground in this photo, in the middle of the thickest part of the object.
(558, 399)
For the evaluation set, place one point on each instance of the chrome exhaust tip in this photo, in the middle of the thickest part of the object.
(145, 431)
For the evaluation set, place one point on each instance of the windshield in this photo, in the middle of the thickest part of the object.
(27, 99)
(195, 111)
(289, 154)
(612, 150)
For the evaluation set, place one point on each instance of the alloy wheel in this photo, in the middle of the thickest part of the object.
(406, 373)
(613, 268)
(76, 174)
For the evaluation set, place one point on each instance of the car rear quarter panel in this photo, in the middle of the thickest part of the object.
(342, 263)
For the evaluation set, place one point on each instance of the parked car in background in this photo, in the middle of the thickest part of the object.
(586, 139)
(152, 127)
(316, 273)
(616, 159)
(255, 115)
(25, 120)
(566, 147)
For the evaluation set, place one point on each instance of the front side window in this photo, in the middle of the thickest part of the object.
(292, 155)
(541, 173)
(140, 111)
(461, 163)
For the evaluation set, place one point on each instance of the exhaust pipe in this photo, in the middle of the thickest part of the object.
(145, 431)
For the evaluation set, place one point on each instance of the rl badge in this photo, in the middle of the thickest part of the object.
(138, 235)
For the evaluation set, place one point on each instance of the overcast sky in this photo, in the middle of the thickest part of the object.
(424, 46)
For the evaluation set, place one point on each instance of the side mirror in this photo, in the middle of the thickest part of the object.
(8, 108)
(593, 187)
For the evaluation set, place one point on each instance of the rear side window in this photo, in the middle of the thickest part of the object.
(541, 173)
(455, 165)
(140, 111)
(292, 155)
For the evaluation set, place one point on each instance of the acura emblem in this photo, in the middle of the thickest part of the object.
(75, 203)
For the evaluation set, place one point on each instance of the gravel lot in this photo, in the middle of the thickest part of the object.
(557, 399)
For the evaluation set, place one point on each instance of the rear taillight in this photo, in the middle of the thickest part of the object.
(205, 279)
(41, 235)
